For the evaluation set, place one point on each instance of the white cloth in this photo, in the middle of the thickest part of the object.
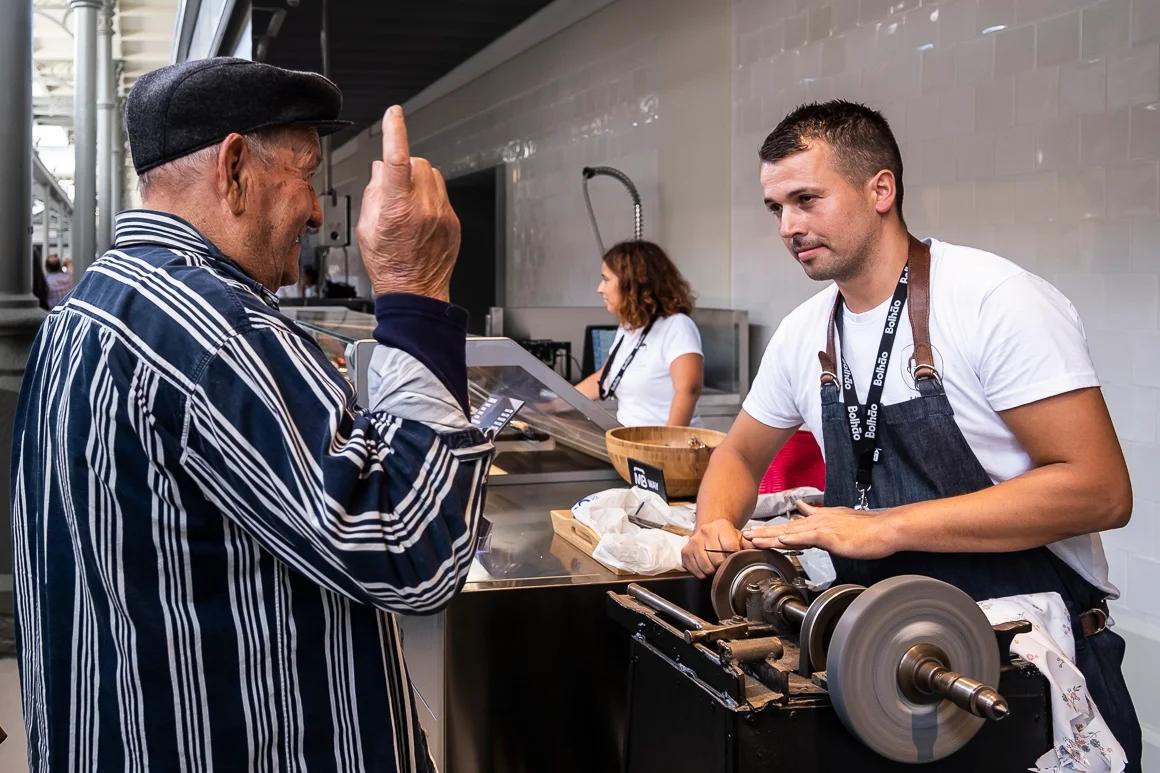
(1002, 337)
(623, 544)
(1082, 739)
(645, 392)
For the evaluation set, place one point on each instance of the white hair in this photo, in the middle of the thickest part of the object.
(181, 170)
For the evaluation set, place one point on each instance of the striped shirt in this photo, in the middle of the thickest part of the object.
(211, 537)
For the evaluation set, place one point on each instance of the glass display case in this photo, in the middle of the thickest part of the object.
(558, 434)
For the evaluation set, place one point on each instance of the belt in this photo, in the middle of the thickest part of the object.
(1094, 620)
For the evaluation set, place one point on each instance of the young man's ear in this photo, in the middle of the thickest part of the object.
(233, 162)
(883, 190)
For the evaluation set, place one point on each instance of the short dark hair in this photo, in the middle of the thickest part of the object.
(52, 263)
(861, 138)
(650, 284)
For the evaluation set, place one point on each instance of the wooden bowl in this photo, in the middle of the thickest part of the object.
(667, 448)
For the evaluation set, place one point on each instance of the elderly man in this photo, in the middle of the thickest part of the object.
(211, 536)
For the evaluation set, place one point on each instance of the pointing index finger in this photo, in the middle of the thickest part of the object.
(396, 150)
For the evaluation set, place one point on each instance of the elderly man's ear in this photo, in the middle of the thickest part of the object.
(236, 164)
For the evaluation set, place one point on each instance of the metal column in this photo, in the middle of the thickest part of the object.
(117, 182)
(106, 105)
(20, 316)
(47, 215)
(84, 222)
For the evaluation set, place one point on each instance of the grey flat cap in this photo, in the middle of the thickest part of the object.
(182, 108)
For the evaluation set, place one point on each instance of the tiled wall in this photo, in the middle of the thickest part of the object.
(1030, 128)
(603, 113)
(641, 86)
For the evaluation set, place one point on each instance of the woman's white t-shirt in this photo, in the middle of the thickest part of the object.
(1002, 337)
(645, 392)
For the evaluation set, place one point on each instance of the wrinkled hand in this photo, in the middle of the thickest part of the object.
(838, 530)
(716, 535)
(407, 231)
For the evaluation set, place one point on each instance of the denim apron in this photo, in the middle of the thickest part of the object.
(923, 455)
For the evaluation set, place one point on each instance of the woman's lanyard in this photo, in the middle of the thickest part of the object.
(862, 420)
(612, 358)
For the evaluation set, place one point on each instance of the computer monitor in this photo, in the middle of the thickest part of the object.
(598, 341)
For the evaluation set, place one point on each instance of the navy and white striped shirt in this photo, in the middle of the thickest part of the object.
(211, 536)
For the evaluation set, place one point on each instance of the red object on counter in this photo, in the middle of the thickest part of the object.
(799, 463)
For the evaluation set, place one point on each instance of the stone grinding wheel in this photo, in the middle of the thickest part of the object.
(739, 570)
(868, 643)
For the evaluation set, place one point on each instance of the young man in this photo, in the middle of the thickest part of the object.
(211, 536)
(961, 419)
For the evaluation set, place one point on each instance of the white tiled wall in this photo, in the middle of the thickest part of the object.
(1028, 127)
(641, 86)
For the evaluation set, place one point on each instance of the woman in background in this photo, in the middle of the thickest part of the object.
(655, 369)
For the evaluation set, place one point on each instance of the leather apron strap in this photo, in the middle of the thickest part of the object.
(918, 309)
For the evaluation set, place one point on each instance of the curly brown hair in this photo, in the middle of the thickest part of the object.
(650, 285)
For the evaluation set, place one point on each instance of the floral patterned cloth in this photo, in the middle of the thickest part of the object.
(1082, 740)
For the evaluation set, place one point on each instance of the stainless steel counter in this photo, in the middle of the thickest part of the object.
(524, 552)
(524, 671)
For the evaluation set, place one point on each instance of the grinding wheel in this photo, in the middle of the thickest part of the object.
(739, 570)
(863, 659)
(818, 626)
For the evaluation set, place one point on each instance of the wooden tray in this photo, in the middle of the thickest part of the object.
(585, 539)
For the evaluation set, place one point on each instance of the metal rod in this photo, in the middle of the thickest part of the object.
(684, 617)
(794, 611)
(106, 105)
(327, 172)
(45, 244)
(923, 671)
(83, 234)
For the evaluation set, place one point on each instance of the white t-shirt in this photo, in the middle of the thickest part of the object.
(1002, 338)
(645, 392)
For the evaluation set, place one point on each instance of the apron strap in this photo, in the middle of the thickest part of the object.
(918, 308)
(918, 305)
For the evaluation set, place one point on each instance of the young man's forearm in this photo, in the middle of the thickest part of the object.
(1041, 506)
(728, 490)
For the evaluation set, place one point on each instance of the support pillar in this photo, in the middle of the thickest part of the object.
(117, 183)
(20, 316)
(47, 215)
(83, 236)
(106, 106)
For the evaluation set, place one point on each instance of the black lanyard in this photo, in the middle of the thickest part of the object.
(612, 357)
(862, 420)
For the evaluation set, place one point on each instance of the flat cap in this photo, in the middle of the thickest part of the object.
(177, 110)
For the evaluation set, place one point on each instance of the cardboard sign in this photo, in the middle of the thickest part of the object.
(645, 476)
(495, 413)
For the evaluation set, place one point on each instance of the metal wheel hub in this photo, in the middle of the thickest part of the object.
(742, 569)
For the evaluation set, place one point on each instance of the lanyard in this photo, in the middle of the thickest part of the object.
(612, 357)
(862, 420)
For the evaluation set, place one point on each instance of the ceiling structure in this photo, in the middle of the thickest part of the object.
(382, 53)
(143, 33)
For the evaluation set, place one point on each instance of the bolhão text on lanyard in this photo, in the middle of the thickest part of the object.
(862, 419)
(627, 361)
